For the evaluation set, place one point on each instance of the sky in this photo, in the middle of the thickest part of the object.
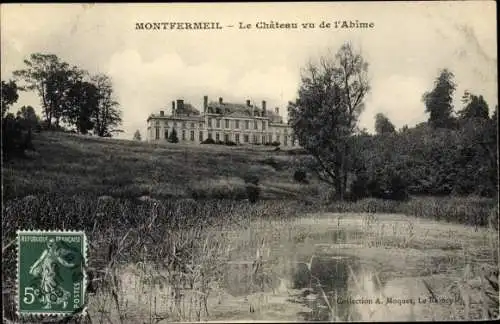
(409, 44)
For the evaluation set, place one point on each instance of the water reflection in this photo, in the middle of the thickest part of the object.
(332, 286)
(327, 287)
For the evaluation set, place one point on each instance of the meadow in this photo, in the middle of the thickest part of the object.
(173, 237)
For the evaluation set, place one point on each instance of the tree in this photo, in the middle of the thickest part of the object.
(9, 95)
(173, 137)
(439, 101)
(49, 76)
(474, 107)
(137, 136)
(383, 125)
(28, 117)
(326, 112)
(108, 114)
(494, 118)
(81, 105)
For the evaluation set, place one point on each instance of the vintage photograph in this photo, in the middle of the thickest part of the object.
(243, 162)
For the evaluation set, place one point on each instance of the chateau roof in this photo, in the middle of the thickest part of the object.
(188, 109)
(230, 109)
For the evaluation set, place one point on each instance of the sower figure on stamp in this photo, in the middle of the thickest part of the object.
(47, 268)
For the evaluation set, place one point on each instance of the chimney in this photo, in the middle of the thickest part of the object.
(263, 108)
(180, 105)
(162, 113)
(205, 103)
(248, 103)
(220, 100)
(173, 108)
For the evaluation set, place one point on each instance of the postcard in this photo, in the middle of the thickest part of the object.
(246, 162)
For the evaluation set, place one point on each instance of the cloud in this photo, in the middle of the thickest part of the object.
(408, 46)
(400, 102)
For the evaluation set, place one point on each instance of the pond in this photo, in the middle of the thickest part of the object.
(329, 285)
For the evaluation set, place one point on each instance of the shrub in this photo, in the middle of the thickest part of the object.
(398, 189)
(230, 143)
(251, 178)
(253, 193)
(208, 141)
(300, 176)
(297, 152)
(359, 188)
(16, 138)
(275, 143)
(379, 185)
(173, 137)
(252, 187)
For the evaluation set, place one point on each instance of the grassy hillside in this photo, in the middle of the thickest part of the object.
(71, 164)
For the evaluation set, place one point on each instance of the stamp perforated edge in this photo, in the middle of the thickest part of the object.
(41, 315)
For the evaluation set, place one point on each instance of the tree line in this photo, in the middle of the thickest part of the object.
(453, 152)
(71, 99)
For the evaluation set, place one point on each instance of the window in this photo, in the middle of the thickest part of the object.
(183, 135)
(255, 138)
(226, 138)
(184, 124)
(166, 134)
(263, 125)
(210, 135)
(157, 123)
(227, 123)
(192, 125)
(210, 122)
(286, 130)
(201, 125)
(192, 136)
(237, 138)
(247, 124)
(263, 139)
(237, 124)
(217, 123)
(285, 140)
(175, 124)
(277, 137)
(157, 134)
(255, 124)
(217, 137)
(201, 136)
(166, 123)
(245, 138)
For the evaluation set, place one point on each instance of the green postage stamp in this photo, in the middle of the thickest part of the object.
(51, 277)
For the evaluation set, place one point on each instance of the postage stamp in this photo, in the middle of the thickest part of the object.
(51, 277)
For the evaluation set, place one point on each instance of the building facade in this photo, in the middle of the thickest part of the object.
(221, 121)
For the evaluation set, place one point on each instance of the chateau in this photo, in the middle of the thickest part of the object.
(221, 121)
